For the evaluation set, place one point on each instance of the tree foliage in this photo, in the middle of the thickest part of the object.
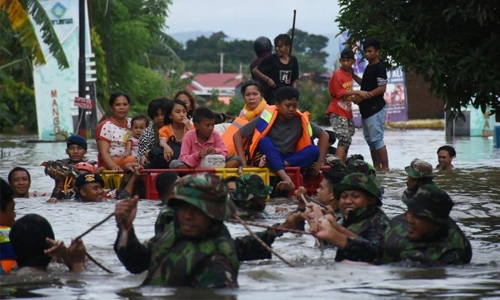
(308, 48)
(18, 13)
(19, 50)
(138, 51)
(453, 45)
(203, 54)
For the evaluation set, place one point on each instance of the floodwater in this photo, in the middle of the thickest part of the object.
(474, 186)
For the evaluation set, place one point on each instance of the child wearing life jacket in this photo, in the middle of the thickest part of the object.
(7, 217)
(285, 136)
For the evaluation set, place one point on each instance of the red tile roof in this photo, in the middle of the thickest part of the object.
(229, 80)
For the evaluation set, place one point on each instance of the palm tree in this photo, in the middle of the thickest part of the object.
(18, 12)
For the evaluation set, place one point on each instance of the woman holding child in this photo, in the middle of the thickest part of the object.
(112, 134)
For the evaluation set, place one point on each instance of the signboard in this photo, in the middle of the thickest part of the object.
(84, 103)
(395, 93)
(54, 99)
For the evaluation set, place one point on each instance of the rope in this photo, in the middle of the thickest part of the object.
(261, 242)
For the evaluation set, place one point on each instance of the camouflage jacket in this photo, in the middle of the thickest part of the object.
(369, 224)
(174, 260)
(448, 246)
(408, 193)
(137, 257)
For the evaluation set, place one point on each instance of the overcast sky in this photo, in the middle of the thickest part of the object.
(249, 19)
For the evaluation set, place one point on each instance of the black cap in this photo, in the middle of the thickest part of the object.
(84, 179)
(347, 53)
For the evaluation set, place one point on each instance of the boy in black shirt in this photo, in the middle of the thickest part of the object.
(278, 69)
(373, 109)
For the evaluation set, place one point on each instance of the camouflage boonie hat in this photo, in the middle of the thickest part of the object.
(432, 202)
(361, 166)
(359, 181)
(207, 192)
(335, 163)
(419, 169)
(249, 186)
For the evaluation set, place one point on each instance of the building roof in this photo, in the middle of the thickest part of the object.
(225, 83)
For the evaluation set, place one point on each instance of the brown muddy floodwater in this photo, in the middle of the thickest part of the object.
(474, 186)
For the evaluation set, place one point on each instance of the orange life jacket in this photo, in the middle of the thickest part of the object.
(227, 136)
(265, 124)
(7, 256)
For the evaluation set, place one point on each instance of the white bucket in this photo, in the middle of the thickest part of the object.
(212, 161)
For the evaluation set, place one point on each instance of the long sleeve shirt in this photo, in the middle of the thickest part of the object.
(191, 147)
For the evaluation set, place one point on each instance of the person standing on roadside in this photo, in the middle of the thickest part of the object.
(372, 109)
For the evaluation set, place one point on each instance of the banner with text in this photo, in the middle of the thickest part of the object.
(55, 88)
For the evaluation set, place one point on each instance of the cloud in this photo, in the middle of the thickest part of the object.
(250, 19)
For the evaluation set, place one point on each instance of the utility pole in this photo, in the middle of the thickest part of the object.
(82, 130)
(221, 62)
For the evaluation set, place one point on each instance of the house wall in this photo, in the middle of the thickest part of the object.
(421, 104)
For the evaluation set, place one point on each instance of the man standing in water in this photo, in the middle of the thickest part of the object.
(426, 235)
(446, 154)
(419, 173)
(373, 109)
(196, 249)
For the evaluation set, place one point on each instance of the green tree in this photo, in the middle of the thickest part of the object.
(314, 98)
(453, 45)
(308, 48)
(19, 50)
(139, 53)
(203, 54)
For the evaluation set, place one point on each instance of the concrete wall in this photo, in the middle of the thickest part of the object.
(421, 104)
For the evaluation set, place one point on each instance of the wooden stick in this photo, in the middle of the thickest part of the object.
(98, 264)
(95, 226)
(312, 200)
(261, 242)
(278, 228)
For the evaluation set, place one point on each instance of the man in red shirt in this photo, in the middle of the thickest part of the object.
(340, 109)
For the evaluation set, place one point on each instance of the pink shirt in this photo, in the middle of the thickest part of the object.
(191, 147)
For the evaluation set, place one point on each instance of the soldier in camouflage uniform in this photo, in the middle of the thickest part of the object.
(360, 236)
(419, 174)
(361, 166)
(425, 235)
(195, 249)
(250, 196)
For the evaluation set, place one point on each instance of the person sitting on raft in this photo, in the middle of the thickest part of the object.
(250, 196)
(202, 141)
(425, 235)
(284, 136)
(176, 125)
(112, 134)
(255, 104)
(360, 237)
(150, 136)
